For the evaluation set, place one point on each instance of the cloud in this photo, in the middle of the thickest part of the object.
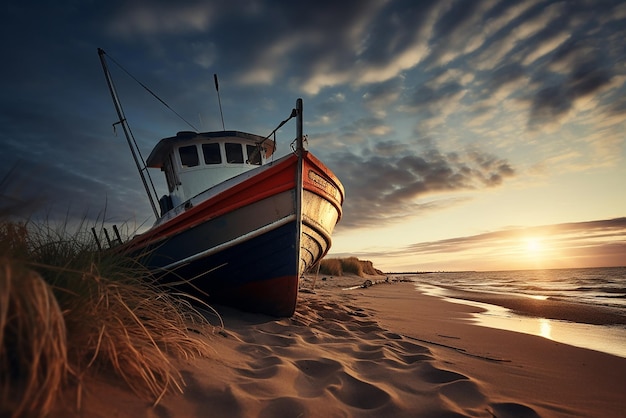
(379, 98)
(452, 23)
(618, 106)
(577, 244)
(60, 165)
(317, 48)
(329, 110)
(505, 75)
(384, 184)
(60, 192)
(517, 34)
(550, 44)
(160, 18)
(490, 74)
(431, 100)
(567, 234)
(379, 47)
(394, 40)
(368, 127)
(496, 18)
(359, 43)
(204, 53)
(553, 101)
(426, 95)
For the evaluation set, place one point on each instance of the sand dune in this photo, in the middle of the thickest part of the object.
(384, 351)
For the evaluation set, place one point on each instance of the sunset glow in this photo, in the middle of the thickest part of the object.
(533, 245)
(584, 244)
(482, 135)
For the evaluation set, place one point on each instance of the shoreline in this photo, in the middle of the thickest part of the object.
(549, 308)
(544, 307)
(603, 327)
(563, 321)
(527, 305)
(384, 350)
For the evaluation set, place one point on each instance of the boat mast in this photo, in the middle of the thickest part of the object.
(299, 182)
(134, 149)
(299, 139)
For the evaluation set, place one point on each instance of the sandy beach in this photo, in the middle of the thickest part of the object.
(381, 351)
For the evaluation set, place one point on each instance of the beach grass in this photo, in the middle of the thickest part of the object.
(345, 266)
(68, 310)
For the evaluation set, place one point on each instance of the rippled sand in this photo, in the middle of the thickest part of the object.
(380, 351)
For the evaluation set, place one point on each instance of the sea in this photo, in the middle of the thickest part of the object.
(602, 287)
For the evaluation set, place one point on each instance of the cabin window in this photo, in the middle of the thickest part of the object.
(212, 153)
(234, 153)
(254, 154)
(189, 156)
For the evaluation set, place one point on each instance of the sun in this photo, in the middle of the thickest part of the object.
(533, 245)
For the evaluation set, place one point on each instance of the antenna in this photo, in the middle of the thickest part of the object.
(217, 88)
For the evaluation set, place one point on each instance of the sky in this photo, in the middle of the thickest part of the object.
(469, 135)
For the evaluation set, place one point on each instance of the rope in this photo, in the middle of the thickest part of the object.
(293, 114)
(151, 92)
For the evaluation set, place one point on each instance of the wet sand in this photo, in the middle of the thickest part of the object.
(549, 308)
(381, 351)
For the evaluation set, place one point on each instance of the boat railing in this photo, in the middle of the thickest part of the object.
(111, 242)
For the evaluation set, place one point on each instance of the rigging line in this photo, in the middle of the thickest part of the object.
(151, 92)
(294, 113)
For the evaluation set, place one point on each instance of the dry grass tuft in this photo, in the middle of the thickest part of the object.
(68, 310)
(331, 266)
(133, 329)
(350, 265)
(33, 351)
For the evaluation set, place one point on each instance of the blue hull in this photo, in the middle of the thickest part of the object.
(258, 274)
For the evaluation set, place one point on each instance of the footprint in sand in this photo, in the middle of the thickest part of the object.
(366, 351)
(432, 374)
(318, 368)
(263, 368)
(513, 410)
(222, 401)
(285, 407)
(407, 352)
(464, 393)
(326, 358)
(358, 394)
(317, 375)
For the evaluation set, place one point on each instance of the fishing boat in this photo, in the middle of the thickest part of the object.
(237, 225)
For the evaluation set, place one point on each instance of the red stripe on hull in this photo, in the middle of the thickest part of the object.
(270, 182)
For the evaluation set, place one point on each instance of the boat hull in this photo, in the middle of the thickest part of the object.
(248, 243)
